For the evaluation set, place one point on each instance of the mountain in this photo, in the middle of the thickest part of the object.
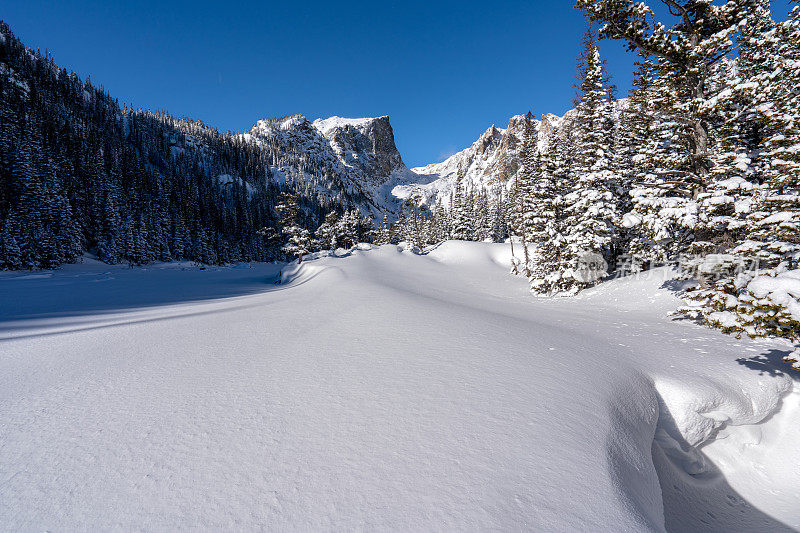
(359, 152)
(492, 162)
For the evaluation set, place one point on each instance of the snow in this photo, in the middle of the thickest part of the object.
(631, 220)
(480, 162)
(225, 179)
(781, 290)
(781, 216)
(382, 389)
(326, 125)
(360, 164)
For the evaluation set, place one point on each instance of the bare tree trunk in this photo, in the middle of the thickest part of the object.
(526, 256)
(514, 269)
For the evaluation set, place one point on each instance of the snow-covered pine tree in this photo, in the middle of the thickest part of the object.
(663, 214)
(688, 49)
(728, 212)
(544, 224)
(761, 306)
(590, 208)
(9, 249)
(347, 229)
(497, 228)
(327, 233)
(462, 225)
(298, 240)
(775, 221)
(398, 228)
(439, 223)
(743, 100)
(481, 215)
(383, 234)
(524, 192)
(630, 161)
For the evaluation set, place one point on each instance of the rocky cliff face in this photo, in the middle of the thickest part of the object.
(365, 144)
(490, 163)
(357, 155)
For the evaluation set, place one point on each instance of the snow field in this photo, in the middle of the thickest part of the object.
(382, 389)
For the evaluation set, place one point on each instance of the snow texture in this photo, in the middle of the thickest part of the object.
(382, 389)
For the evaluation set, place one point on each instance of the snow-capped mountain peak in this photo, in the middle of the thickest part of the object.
(490, 162)
(326, 125)
(360, 152)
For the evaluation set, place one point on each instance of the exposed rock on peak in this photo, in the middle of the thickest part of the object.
(359, 153)
(363, 143)
(489, 163)
(492, 162)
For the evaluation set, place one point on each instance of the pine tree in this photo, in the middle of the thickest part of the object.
(662, 214)
(526, 212)
(688, 50)
(462, 225)
(439, 228)
(590, 208)
(328, 232)
(10, 255)
(750, 216)
(298, 240)
(544, 224)
(383, 235)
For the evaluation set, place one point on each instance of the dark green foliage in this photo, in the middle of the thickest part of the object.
(80, 174)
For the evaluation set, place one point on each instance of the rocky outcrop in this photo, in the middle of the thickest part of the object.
(366, 144)
(357, 155)
(490, 163)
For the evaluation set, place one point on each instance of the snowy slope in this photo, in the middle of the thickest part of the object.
(382, 390)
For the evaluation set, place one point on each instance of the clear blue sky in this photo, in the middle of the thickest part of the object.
(443, 71)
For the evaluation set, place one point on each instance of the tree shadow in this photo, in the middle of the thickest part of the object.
(677, 285)
(75, 297)
(770, 364)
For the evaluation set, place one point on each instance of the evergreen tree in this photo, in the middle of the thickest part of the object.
(328, 232)
(297, 239)
(688, 50)
(462, 225)
(526, 213)
(590, 208)
(662, 214)
(383, 235)
(543, 223)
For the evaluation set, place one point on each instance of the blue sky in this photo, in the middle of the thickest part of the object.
(444, 71)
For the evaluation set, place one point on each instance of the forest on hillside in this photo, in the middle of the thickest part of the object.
(80, 173)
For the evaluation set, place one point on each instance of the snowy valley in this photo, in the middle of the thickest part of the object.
(587, 322)
(382, 389)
